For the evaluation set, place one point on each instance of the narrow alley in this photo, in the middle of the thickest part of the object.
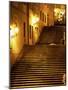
(41, 60)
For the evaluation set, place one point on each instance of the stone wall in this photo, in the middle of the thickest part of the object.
(18, 16)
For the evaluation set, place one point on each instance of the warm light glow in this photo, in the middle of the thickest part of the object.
(56, 10)
(59, 13)
(35, 19)
(13, 30)
(12, 33)
(16, 30)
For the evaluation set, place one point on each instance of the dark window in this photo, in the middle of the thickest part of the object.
(32, 34)
(30, 27)
(45, 19)
(40, 15)
(24, 29)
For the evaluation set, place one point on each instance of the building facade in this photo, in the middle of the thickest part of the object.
(28, 20)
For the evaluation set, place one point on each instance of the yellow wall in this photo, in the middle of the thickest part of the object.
(33, 16)
(34, 10)
(17, 42)
(18, 15)
(50, 15)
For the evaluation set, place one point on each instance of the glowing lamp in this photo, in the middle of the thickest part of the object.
(13, 30)
(35, 19)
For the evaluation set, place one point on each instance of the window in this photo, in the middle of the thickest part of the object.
(24, 30)
(43, 17)
(40, 15)
(30, 27)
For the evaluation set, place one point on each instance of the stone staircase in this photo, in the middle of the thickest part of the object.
(42, 65)
(52, 34)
